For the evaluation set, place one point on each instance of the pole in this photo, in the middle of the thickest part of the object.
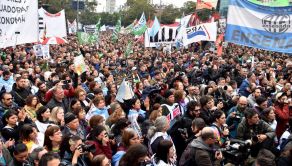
(77, 17)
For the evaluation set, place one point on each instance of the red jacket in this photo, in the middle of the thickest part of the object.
(282, 115)
(100, 149)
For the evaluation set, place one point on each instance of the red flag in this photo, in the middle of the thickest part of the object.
(219, 42)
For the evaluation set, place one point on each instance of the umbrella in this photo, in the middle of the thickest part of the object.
(54, 40)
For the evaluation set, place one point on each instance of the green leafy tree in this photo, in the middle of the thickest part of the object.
(169, 14)
(189, 7)
(134, 9)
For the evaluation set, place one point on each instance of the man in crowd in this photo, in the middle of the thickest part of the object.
(200, 152)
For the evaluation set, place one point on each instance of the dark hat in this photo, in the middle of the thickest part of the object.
(69, 117)
(168, 93)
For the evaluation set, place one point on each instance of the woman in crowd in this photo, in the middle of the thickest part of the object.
(98, 107)
(42, 122)
(118, 128)
(32, 105)
(165, 153)
(57, 116)
(99, 137)
(129, 137)
(220, 128)
(80, 113)
(10, 129)
(53, 139)
(136, 155)
(269, 116)
(74, 104)
(136, 114)
(117, 113)
(80, 94)
(29, 137)
(157, 133)
(100, 160)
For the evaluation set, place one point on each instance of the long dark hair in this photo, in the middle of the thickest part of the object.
(51, 130)
(26, 130)
(39, 113)
(163, 150)
(130, 158)
(7, 115)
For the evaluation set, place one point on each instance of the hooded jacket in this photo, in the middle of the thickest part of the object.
(198, 153)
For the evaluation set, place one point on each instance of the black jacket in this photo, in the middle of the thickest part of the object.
(20, 95)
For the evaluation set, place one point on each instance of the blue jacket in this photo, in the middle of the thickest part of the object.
(243, 88)
(234, 122)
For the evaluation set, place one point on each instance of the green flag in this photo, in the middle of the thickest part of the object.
(129, 49)
(129, 28)
(141, 27)
(86, 38)
(117, 30)
(97, 29)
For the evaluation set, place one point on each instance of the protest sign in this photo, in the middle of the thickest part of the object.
(42, 50)
(79, 64)
(17, 18)
(270, 27)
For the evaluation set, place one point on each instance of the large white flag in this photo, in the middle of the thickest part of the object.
(18, 22)
(55, 23)
(202, 32)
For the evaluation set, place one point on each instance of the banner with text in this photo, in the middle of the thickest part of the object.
(201, 32)
(269, 29)
(18, 22)
(165, 36)
(55, 23)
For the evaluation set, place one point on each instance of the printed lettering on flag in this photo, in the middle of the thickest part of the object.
(269, 29)
(202, 32)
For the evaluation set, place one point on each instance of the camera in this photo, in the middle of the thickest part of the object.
(111, 136)
(255, 139)
(237, 152)
(88, 148)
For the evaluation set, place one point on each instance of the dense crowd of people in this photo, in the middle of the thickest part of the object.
(191, 107)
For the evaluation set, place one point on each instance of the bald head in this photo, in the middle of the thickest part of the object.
(207, 132)
(242, 100)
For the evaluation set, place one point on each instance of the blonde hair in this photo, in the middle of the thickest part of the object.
(54, 113)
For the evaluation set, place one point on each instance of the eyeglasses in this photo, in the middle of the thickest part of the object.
(9, 99)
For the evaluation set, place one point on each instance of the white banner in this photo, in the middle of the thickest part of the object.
(18, 22)
(72, 27)
(165, 36)
(55, 24)
(202, 32)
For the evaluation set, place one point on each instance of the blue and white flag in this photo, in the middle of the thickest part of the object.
(155, 28)
(263, 27)
(201, 32)
(183, 24)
